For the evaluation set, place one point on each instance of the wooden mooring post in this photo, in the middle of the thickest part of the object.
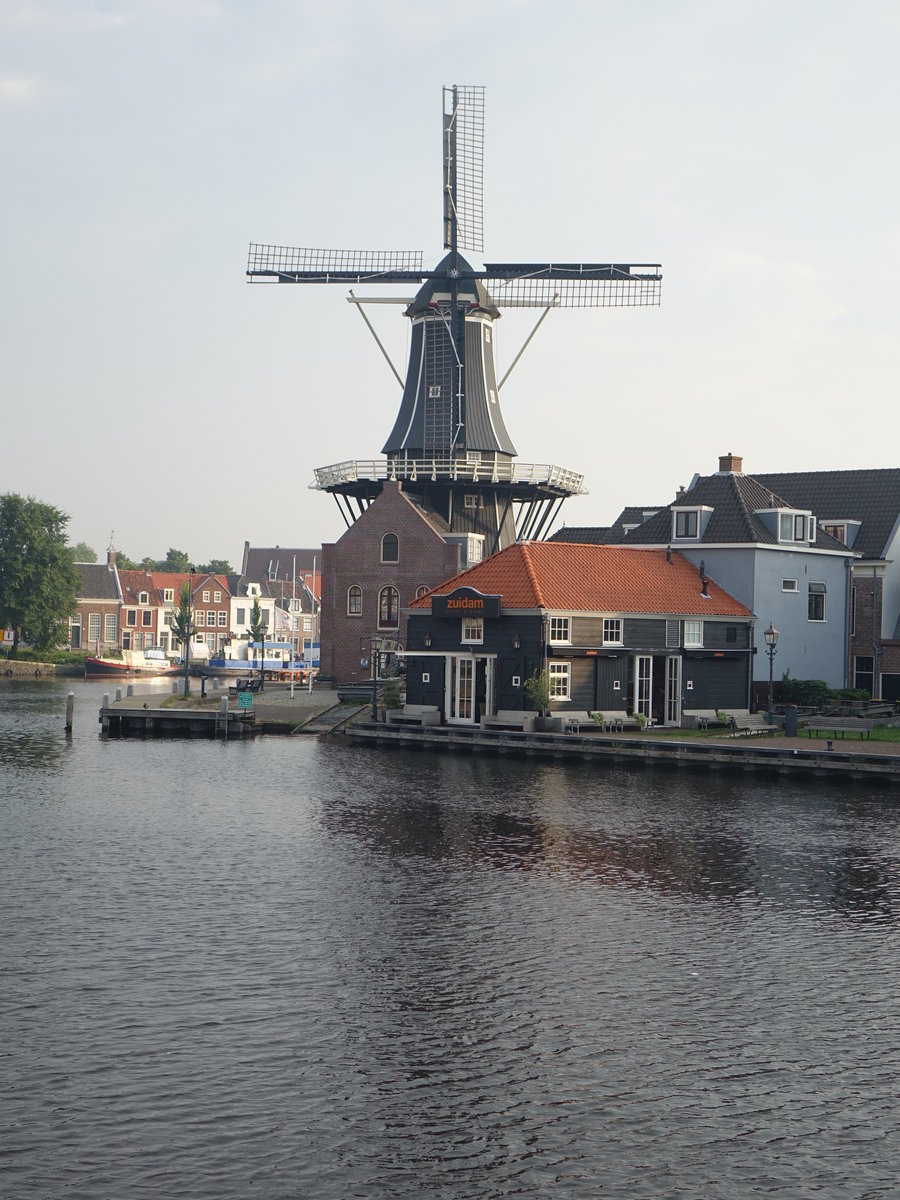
(70, 711)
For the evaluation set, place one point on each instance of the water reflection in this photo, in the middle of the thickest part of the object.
(682, 846)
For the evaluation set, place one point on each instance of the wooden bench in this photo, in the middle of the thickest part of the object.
(518, 719)
(611, 722)
(841, 725)
(742, 721)
(699, 718)
(414, 714)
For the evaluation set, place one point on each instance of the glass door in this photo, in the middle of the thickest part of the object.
(461, 689)
(643, 682)
(673, 690)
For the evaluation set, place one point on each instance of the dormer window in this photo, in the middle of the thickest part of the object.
(143, 598)
(796, 527)
(687, 523)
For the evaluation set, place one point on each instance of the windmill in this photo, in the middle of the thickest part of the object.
(449, 446)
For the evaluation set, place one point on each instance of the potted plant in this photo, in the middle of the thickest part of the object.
(641, 721)
(391, 694)
(537, 689)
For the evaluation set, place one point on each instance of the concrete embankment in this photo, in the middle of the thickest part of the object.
(14, 668)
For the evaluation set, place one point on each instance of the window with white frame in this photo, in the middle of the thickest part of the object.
(473, 630)
(168, 595)
(612, 631)
(693, 633)
(785, 527)
(816, 602)
(559, 630)
(560, 680)
(110, 628)
(789, 585)
(470, 501)
(217, 597)
(307, 624)
(143, 598)
(223, 618)
(799, 528)
(354, 601)
(206, 597)
(147, 618)
(240, 616)
(422, 589)
(94, 627)
(686, 523)
(131, 616)
(211, 617)
(200, 616)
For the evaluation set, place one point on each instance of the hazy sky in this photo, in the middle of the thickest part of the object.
(147, 389)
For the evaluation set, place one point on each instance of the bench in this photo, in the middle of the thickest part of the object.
(519, 719)
(414, 714)
(742, 721)
(243, 685)
(612, 722)
(841, 725)
(699, 718)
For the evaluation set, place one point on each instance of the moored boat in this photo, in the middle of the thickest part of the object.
(131, 662)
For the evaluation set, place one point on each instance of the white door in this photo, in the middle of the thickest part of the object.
(673, 690)
(461, 689)
(643, 684)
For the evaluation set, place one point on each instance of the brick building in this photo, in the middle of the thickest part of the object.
(392, 553)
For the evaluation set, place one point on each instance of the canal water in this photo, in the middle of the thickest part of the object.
(292, 968)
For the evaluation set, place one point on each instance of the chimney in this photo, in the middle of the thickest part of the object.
(730, 464)
(111, 556)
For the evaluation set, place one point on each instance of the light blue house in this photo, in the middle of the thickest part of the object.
(769, 554)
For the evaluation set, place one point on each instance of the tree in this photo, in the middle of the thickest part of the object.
(183, 625)
(38, 579)
(82, 552)
(175, 560)
(217, 566)
(537, 689)
(258, 634)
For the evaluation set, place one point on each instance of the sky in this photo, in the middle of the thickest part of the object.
(153, 395)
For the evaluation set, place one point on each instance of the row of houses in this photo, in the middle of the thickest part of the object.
(662, 611)
(124, 609)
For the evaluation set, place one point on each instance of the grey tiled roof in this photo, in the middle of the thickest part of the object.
(734, 499)
(869, 496)
(96, 582)
(585, 535)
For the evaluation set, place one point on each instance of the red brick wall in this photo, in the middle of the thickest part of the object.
(425, 559)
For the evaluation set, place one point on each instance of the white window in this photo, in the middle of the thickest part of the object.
(559, 630)
(789, 585)
(200, 617)
(94, 627)
(206, 597)
(560, 678)
(785, 527)
(217, 597)
(307, 624)
(473, 629)
(147, 618)
(111, 628)
(470, 501)
(168, 595)
(475, 550)
(223, 618)
(211, 617)
(816, 602)
(686, 523)
(168, 617)
(693, 633)
(143, 598)
(612, 631)
(434, 391)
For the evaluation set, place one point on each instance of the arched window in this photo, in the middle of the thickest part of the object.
(390, 548)
(354, 601)
(388, 608)
(422, 589)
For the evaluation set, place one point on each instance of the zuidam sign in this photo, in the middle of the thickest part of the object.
(465, 602)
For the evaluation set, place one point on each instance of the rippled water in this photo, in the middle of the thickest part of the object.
(291, 968)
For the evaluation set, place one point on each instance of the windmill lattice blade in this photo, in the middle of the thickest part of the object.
(573, 285)
(297, 264)
(464, 166)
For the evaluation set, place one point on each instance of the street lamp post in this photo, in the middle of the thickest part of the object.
(771, 636)
(188, 634)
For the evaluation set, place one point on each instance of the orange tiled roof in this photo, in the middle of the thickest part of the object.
(567, 576)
